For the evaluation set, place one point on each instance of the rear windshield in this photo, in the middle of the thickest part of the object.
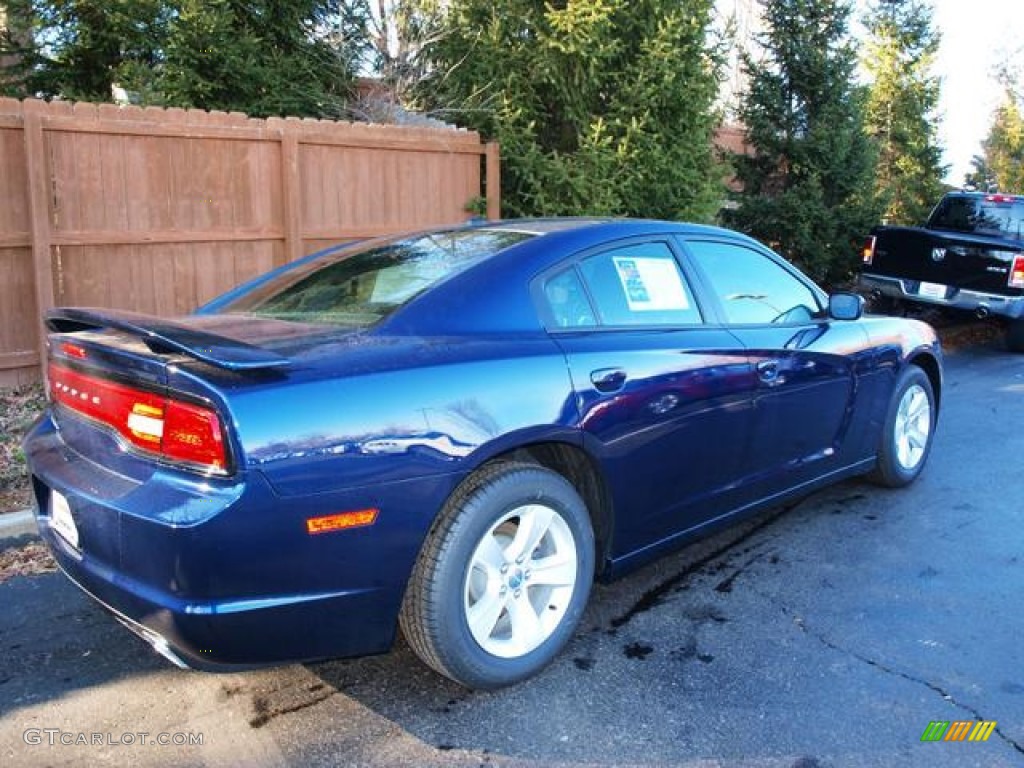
(360, 287)
(1001, 217)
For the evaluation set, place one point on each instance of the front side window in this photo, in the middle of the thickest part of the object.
(752, 288)
(639, 284)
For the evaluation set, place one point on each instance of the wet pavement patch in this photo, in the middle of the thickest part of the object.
(637, 651)
(656, 595)
(286, 699)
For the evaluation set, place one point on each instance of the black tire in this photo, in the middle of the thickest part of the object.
(1015, 335)
(452, 577)
(905, 444)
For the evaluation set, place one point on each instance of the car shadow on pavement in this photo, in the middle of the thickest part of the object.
(602, 677)
(54, 640)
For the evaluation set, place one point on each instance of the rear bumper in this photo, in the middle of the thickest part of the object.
(220, 636)
(221, 574)
(955, 298)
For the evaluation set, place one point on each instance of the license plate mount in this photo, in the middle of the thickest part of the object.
(932, 290)
(61, 519)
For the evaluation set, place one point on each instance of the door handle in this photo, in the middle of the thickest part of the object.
(608, 379)
(768, 371)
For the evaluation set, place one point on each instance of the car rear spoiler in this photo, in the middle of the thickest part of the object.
(162, 335)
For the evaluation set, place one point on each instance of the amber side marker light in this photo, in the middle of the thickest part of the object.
(341, 521)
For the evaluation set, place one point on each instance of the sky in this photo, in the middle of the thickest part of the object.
(976, 36)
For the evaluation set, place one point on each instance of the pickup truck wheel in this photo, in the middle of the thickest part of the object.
(1015, 335)
(907, 433)
(503, 578)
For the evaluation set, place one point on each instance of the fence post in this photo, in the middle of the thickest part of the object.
(492, 173)
(39, 188)
(290, 192)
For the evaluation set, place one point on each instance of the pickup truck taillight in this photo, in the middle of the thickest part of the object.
(169, 428)
(1016, 279)
(868, 252)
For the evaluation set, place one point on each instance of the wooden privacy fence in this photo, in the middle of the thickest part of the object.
(159, 210)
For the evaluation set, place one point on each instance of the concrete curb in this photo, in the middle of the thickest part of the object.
(14, 524)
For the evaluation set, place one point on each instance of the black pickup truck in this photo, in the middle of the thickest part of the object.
(968, 256)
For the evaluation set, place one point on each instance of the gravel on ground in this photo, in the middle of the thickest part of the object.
(19, 407)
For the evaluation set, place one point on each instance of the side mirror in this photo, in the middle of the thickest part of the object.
(845, 306)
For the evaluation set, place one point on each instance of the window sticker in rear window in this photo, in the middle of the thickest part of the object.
(651, 284)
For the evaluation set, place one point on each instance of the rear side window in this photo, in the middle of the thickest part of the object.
(639, 285)
(568, 301)
(362, 287)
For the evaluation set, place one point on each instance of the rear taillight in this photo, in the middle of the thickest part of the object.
(192, 434)
(175, 430)
(868, 252)
(73, 350)
(1016, 279)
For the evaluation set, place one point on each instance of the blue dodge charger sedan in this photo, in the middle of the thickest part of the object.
(454, 432)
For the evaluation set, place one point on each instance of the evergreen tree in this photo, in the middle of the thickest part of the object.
(261, 57)
(808, 184)
(600, 106)
(15, 45)
(980, 176)
(901, 109)
(1004, 146)
(79, 49)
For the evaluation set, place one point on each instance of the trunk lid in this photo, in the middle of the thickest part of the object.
(163, 336)
(130, 389)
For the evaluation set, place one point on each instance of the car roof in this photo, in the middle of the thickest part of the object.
(607, 225)
(541, 226)
(493, 295)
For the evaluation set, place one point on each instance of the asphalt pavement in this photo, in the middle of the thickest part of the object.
(828, 633)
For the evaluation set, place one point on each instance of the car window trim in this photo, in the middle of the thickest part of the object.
(712, 297)
(573, 262)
